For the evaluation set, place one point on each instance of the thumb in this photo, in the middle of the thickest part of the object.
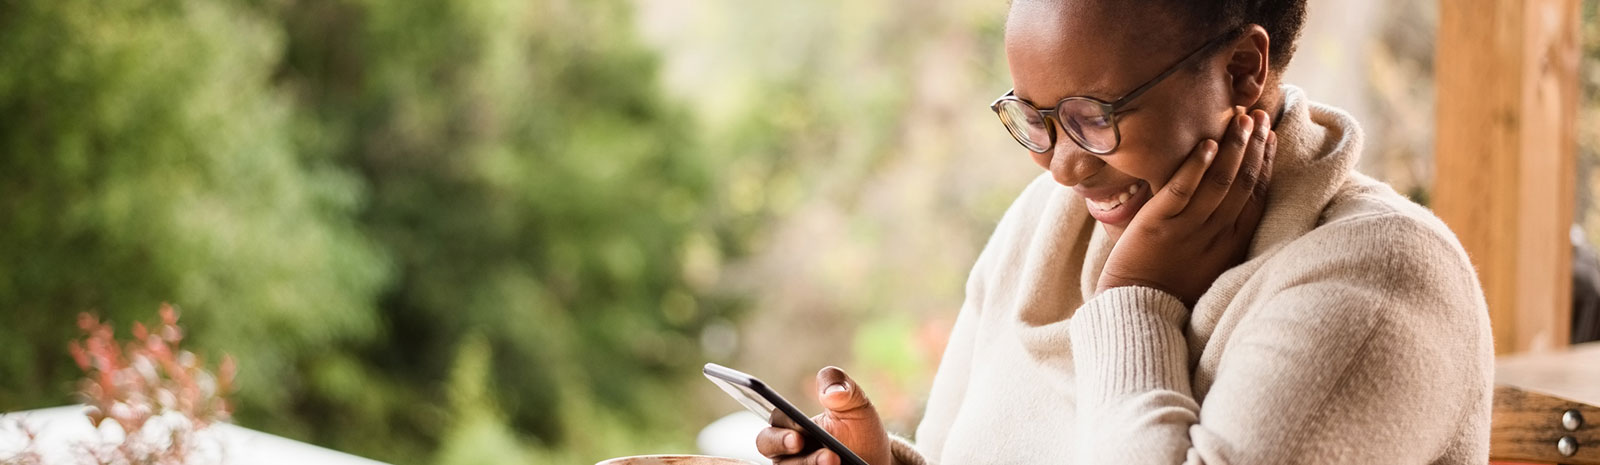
(842, 396)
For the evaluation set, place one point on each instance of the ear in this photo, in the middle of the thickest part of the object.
(1247, 66)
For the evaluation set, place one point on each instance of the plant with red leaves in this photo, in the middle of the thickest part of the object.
(159, 395)
(150, 376)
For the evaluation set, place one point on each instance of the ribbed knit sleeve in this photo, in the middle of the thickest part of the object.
(904, 452)
(1128, 341)
(1133, 377)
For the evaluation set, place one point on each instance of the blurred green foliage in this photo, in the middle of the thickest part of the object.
(148, 158)
(434, 230)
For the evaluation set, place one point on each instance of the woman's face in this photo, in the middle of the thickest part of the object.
(1062, 49)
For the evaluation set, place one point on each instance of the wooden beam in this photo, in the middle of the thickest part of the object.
(1505, 156)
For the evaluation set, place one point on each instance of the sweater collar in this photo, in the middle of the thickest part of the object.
(1318, 147)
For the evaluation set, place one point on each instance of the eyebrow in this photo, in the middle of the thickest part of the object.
(1100, 94)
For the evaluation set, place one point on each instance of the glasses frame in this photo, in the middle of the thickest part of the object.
(1108, 109)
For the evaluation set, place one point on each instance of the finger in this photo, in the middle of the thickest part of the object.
(1172, 197)
(773, 442)
(1268, 158)
(1224, 171)
(1248, 176)
(779, 419)
(842, 396)
(822, 457)
(1256, 208)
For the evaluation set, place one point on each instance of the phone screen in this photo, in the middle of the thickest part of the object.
(749, 397)
(760, 399)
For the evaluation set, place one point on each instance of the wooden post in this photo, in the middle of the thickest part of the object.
(1505, 156)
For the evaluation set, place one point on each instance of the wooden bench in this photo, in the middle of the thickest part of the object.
(1547, 408)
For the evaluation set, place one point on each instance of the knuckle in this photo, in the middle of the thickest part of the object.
(1217, 240)
(1181, 191)
(770, 442)
(1153, 233)
(1241, 137)
(1259, 194)
(1222, 179)
(1248, 177)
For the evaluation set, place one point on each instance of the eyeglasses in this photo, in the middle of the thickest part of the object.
(1090, 122)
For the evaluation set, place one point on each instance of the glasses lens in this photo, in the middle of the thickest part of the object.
(1025, 124)
(1089, 124)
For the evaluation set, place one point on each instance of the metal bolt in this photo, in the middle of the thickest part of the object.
(1568, 446)
(1572, 420)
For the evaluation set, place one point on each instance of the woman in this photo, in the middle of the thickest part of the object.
(1200, 277)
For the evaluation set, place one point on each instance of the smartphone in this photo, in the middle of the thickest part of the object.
(766, 403)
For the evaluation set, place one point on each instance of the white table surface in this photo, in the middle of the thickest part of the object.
(59, 429)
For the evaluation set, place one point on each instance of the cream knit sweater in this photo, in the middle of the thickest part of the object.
(1356, 332)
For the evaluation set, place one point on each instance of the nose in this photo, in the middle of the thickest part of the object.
(1071, 164)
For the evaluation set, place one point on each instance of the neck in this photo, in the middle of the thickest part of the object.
(1271, 102)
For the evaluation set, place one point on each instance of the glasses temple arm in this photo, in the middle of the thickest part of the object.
(1114, 106)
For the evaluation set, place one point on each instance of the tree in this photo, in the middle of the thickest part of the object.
(147, 156)
(533, 187)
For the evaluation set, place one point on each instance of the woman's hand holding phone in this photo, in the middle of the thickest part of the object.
(1201, 222)
(849, 417)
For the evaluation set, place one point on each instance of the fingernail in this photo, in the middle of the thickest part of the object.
(1245, 126)
(835, 387)
(1266, 120)
(1211, 149)
(791, 441)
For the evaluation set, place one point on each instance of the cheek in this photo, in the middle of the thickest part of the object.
(1156, 154)
(1158, 142)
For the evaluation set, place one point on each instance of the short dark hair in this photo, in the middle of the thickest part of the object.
(1281, 18)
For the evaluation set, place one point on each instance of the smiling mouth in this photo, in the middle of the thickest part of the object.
(1116, 202)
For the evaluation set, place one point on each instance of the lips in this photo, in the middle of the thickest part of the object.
(1115, 205)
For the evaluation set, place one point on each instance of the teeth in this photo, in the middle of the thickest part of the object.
(1108, 205)
(1112, 204)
